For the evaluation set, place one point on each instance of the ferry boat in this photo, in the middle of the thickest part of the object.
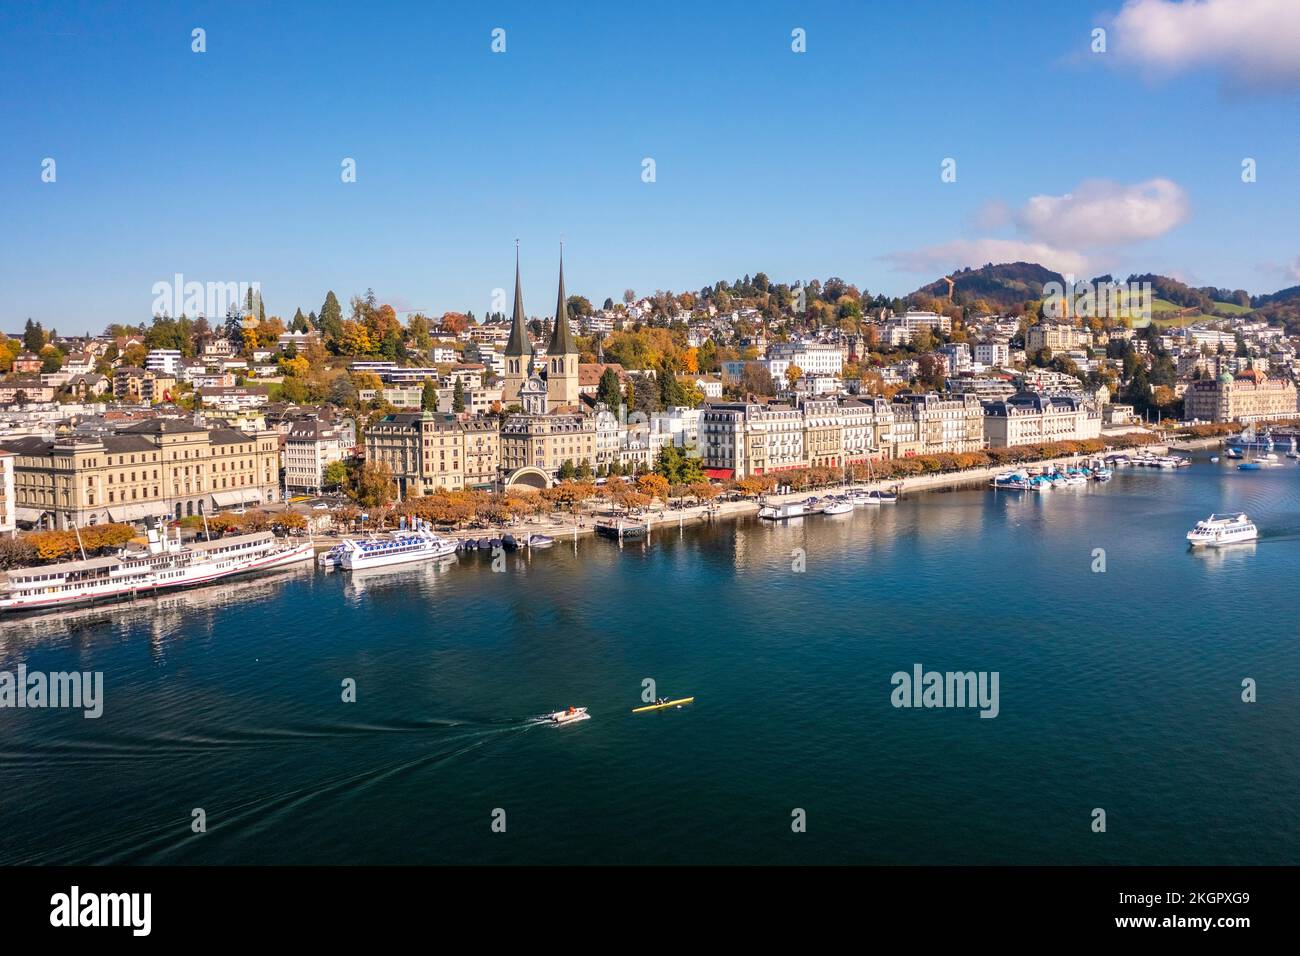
(570, 715)
(400, 547)
(782, 512)
(164, 565)
(1219, 530)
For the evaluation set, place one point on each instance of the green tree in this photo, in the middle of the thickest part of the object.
(429, 396)
(336, 473)
(331, 317)
(609, 391)
(567, 471)
(458, 396)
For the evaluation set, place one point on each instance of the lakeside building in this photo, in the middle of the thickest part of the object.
(428, 450)
(1248, 396)
(1028, 418)
(158, 467)
(8, 519)
(943, 424)
(823, 432)
(310, 447)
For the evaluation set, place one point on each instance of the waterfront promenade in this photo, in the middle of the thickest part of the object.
(584, 522)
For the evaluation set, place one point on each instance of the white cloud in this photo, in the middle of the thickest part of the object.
(1076, 233)
(1255, 42)
(1104, 213)
(959, 253)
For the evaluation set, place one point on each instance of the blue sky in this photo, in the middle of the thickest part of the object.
(225, 165)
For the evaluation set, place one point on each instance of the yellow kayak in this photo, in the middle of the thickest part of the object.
(671, 703)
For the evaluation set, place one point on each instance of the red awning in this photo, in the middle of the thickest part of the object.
(720, 474)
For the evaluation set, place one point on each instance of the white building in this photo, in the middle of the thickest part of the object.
(1029, 418)
(994, 354)
(310, 447)
(164, 361)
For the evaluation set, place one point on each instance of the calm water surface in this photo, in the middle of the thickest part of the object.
(1119, 690)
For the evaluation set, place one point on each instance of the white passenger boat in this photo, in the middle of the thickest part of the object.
(400, 547)
(837, 508)
(164, 565)
(1219, 530)
(570, 715)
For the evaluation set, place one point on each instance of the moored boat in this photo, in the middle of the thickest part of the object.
(164, 565)
(401, 547)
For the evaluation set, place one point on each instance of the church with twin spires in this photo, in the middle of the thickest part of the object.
(550, 427)
(554, 386)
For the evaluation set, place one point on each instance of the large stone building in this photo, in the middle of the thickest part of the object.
(430, 450)
(1030, 418)
(155, 468)
(535, 446)
(1057, 336)
(1248, 396)
(943, 424)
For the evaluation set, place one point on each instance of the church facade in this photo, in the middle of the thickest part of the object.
(550, 427)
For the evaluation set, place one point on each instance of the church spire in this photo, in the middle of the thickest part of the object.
(520, 344)
(562, 341)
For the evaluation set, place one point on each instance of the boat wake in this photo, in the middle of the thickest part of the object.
(161, 843)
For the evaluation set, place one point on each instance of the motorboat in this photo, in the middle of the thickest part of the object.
(570, 715)
(540, 541)
(840, 507)
(883, 497)
(1015, 480)
(1218, 530)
